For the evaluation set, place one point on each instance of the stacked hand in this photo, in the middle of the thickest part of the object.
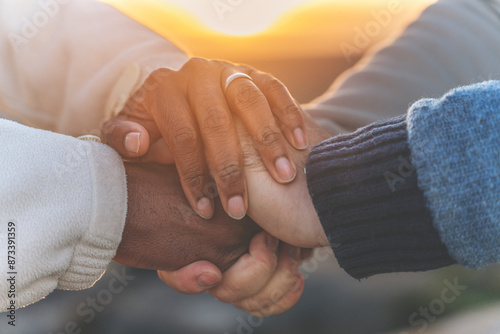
(266, 283)
(186, 117)
(161, 234)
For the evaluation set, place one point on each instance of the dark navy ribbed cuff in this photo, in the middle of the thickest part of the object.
(366, 193)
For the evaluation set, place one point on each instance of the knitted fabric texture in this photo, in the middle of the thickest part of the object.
(455, 143)
(365, 191)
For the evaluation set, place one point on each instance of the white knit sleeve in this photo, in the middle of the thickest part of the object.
(453, 43)
(63, 205)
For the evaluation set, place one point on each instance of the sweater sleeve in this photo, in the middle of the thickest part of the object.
(63, 204)
(455, 143)
(364, 188)
(416, 192)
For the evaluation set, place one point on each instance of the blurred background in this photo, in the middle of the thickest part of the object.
(307, 44)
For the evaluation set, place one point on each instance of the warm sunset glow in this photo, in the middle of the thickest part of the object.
(235, 29)
(248, 17)
(239, 17)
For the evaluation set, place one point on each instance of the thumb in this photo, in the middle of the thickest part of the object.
(130, 139)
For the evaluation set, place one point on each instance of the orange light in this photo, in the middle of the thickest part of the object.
(263, 29)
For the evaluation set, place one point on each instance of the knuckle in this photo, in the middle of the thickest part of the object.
(159, 75)
(229, 173)
(226, 294)
(185, 138)
(272, 84)
(290, 272)
(251, 305)
(265, 264)
(269, 136)
(290, 278)
(216, 119)
(248, 95)
(107, 130)
(291, 112)
(220, 63)
(194, 63)
(193, 178)
(152, 83)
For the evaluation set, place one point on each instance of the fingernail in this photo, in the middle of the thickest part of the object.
(272, 242)
(204, 208)
(236, 207)
(300, 139)
(207, 280)
(133, 142)
(285, 171)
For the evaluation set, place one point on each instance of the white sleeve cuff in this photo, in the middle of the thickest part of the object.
(98, 246)
(68, 200)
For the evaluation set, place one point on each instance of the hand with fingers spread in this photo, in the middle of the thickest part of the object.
(193, 111)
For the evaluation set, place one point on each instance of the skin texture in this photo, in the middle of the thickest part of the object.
(264, 281)
(193, 112)
(285, 211)
(200, 137)
(162, 231)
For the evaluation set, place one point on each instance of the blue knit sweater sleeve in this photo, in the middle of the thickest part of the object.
(455, 142)
(416, 192)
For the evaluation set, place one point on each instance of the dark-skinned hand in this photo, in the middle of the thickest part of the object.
(189, 113)
(162, 231)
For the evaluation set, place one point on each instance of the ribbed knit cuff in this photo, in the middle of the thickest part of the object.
(97, 247)
(365, 191)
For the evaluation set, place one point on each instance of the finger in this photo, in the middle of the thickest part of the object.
(285, 303)
(178, 127)
(195, 278)
(130, 139)
(222, 147)
(251, 272)
(280, 285)
(248, 102)
(284, 108)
